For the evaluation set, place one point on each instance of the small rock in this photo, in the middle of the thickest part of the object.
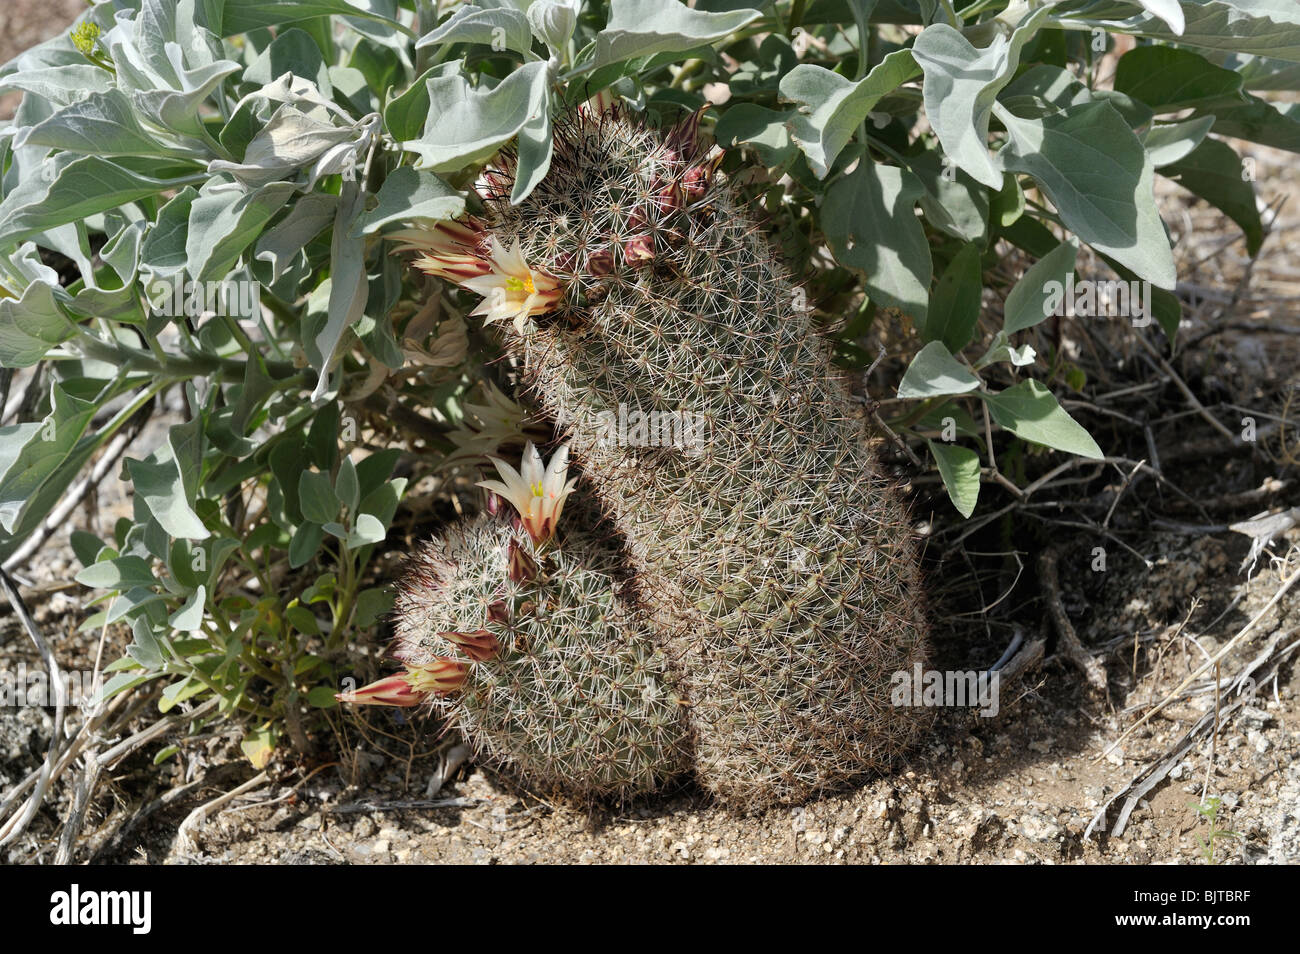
(1251, 717)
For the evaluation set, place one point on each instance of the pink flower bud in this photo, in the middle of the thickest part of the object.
(523, 568)
(670, 198)
(600, 262)
(639, 250)
(681, 139)
(411, 688)
(479, 645)
(394, 690)
(498, 613)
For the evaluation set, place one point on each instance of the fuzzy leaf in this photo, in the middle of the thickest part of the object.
(960, 469)
(1030, 411)
(1026, 304)
(1259, 27)
(1167, 143)
(60, 85)
(284, 242)
(317, 498)
(245, 16)
(347, 291)
(30, 326)
(955, 203)
(189, 618)
(467, 125)
(223, 222)
(832, 108)
(118, 573)
(31, 453)
(502, 29)
(1167, 10)
(102, 124)
(1169, 79)
(167, 481)
(145, 649)
(961, 84)
(288, 144)
(305, 543)
(955, 305)
(934, 372)
(870, 222)
(1261, 122)
(645, 27)
(1213, 171)
(410, 195)
(1100, 179)
(72, 191)
(765, 129)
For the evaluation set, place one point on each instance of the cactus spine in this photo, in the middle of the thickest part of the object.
(772, 564)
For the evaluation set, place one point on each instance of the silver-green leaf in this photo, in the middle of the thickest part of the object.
(961, 84)
(870, 223)
(934, 372)
(646, 27)
(1030, 411)
(1100, 178)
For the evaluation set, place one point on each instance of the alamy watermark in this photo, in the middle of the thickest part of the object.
(21, 687)
(74, 907)
(179, 296)
(632, 427)
(1087, 298)
(932, 688)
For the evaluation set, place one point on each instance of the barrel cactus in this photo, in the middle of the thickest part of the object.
(770, 569)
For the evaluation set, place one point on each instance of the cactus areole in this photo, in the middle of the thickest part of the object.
(755, 586)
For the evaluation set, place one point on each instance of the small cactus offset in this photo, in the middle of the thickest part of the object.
(771, 563)
(553, 678)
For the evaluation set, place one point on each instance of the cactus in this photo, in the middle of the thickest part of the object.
(772, 563)
(556, 681)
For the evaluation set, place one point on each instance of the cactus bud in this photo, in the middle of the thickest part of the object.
(479, 645)
(682, 138)
(639, 250)
(498, 613)
(600, 263)
(437, 677)
(523, 568)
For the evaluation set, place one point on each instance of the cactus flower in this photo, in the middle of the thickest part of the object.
(537, 492)
(459, 252)
(411, 688)
(450, 250)
(511, 290)
(639, 250)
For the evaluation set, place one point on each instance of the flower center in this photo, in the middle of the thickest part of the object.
(521, 284)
